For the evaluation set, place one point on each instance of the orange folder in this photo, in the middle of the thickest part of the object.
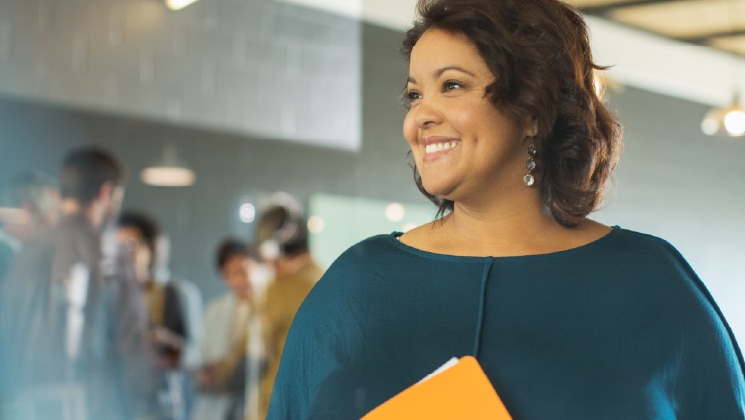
(461, 391)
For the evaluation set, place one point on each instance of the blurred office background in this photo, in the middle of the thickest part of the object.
(255, 96)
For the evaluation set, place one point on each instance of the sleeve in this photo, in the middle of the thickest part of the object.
(26, 312)
(711, 380)
(323, 336)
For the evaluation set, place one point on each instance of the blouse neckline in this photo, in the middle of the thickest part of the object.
(393, 238)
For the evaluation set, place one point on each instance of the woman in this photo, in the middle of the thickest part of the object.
(139, 233)
(568, 318)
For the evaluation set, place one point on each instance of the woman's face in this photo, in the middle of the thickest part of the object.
(236, 273)
(464, 148)
(143, 258)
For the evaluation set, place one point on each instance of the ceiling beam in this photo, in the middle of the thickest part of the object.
(639, 58)
(706, 39)
(663, 65)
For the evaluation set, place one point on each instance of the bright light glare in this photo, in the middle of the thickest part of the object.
(168, 176)
(734, 122)
(709, 126)
(178, 4)
(316, 224)
(247, 212)
(395, 212)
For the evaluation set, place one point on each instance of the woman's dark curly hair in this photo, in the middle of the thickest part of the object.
(539, 52)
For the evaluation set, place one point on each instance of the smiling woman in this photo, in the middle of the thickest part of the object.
(568, 318)
(463, 146)
(552, 96)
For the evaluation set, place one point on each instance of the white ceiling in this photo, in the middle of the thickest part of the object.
(640, 59)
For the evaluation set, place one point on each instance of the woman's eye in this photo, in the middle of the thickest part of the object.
(409, 97)
(450, 85)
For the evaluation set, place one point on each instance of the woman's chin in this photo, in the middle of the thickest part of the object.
(441, 190)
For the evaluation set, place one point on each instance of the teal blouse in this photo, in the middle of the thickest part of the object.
(621, 328)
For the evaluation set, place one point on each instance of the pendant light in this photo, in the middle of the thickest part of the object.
(729, 121)
(169, 172)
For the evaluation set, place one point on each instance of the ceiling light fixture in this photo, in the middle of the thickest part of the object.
(728, 121)
(178, 4)
(169, 172)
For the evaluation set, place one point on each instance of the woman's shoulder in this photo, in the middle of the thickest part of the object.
(368, 251)
(646, 258)
(657, 268)
(358, 264)
(644, 245)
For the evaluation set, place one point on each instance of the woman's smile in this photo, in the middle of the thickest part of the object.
(437, 147)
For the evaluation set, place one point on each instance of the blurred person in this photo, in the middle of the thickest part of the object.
(190, 296)
(29, 203)
(221, 378)
(282, 234)
(191, 307)
(75, 335)
(169, 329)
(567, 317)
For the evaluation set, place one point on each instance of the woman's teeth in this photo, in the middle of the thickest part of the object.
(439, 147)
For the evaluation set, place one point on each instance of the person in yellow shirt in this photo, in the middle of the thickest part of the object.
(282, 235)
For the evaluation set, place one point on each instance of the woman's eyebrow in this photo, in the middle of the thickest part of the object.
(439, 72)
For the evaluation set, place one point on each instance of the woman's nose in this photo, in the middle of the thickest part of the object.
(426, 114)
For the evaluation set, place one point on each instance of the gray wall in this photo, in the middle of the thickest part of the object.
(673, 181)
(228, 166)
(248, 66)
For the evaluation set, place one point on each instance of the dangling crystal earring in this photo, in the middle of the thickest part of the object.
(529, 178)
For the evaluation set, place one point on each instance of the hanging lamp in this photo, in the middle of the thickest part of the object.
(729, 121)
(169, 171)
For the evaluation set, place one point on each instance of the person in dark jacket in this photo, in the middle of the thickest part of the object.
(73, 330)
(138, 233)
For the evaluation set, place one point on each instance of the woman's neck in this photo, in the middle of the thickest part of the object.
(515, 227)
(501, 230)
